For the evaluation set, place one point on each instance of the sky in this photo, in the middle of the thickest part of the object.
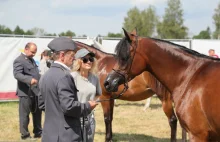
(96, 17)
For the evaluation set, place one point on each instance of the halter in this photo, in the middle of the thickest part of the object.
(124, 75)
(122, 92)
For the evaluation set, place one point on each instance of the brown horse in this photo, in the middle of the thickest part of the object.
(139, 89)
(192, 79)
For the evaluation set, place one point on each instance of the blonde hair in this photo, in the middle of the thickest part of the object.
(77, 64)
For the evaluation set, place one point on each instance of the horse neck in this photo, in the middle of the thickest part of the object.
(103, 59)
(106, 63)
(170, 65)
(98, 54)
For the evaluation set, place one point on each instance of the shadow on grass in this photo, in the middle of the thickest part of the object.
(130, 104)
(120, 137)
(155, 106)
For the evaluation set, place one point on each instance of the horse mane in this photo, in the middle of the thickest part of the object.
(190, 51)
(161, 91)
(122, 51)
(91, 46)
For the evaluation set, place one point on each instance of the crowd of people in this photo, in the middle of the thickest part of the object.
(57, 87)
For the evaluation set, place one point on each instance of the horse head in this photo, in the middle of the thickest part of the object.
(130, 62)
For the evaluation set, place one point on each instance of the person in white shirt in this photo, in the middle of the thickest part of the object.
(88, 85)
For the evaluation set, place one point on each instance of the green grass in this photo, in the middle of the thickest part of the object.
(130, 123)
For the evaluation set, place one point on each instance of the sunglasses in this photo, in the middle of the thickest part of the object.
(85, 60)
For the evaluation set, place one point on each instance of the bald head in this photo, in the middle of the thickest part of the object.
(30, 49)
(211, 52)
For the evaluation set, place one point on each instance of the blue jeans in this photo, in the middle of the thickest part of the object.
(88, 128)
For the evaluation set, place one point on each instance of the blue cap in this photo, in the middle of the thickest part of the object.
(82, 53)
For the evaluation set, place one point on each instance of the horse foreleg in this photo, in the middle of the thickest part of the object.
(183, 135)
(107, 107)
(168, 110)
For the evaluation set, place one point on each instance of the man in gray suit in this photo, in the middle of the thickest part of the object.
(27, 74)
(58, 96)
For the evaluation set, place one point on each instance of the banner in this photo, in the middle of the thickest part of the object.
(11, 48)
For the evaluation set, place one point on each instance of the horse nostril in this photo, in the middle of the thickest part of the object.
(106, 84)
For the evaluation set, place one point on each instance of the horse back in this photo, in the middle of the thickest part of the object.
(202, 99)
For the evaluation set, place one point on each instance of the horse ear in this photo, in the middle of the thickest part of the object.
(134, 32)
(126, 34)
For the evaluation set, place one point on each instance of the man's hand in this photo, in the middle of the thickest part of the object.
(33, 81)
(93, 104)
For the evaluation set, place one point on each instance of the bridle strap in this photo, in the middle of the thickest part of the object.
(125, 74)
(135, 49)
(122, 92)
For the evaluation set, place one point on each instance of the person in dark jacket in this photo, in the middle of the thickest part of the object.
(27, 74)
(58, 96)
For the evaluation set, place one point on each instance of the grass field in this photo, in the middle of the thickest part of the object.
(130, 124)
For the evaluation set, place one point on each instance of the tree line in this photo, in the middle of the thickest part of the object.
(34, 31)
(147, 23)
(171, 26)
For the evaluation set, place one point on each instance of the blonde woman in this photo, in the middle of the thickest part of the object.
(84, 74)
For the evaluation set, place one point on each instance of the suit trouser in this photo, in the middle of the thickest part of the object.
(25, 106)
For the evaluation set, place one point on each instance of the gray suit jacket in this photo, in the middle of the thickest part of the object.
(24, 70)
(58, 97)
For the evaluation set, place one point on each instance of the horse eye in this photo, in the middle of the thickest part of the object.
(124, 59)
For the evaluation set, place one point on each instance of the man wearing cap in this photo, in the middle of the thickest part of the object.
(58, 96)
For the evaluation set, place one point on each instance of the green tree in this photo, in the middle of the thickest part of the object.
(115, 35)
(8, 31)
(5, 30)
(172, 25)
(84, 35)
(68, 33)
(2, 28)
(29, 32)
(38, 31)
(206, 34)
(145, 21)
(133, 19)
(18, 31)
(62, 34)
(216, 18)
(149, 21)
(48, 34)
